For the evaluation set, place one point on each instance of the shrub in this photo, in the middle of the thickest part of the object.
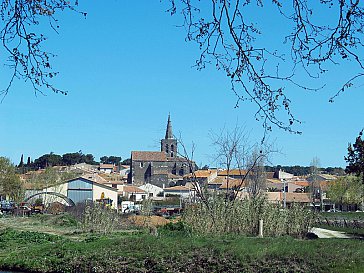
(218, 215)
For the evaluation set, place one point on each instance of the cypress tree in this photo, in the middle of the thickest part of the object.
(21, 164)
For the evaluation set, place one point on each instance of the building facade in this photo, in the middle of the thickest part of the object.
(160, 168)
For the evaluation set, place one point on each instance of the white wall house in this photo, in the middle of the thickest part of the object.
(106, 168)
(133, 193)
(152, 190)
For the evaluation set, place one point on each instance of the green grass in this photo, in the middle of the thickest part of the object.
(176, 251)
(342, 215)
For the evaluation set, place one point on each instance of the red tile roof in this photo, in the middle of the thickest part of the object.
(202, 173)
(235, 172)
(132, 189)
(177, 188)
(148, 156)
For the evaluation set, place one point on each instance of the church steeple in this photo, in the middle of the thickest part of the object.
(169, 134)
(169, 144)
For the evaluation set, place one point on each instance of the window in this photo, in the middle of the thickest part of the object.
(141, 164)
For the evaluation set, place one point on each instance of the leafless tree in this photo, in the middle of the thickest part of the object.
(227, 34)
(256, 181)
(24, 47)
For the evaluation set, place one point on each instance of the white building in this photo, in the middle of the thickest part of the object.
(152, 191)
(133, 193)
(74, 191)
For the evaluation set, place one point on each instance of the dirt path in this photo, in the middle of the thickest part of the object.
(326, 233)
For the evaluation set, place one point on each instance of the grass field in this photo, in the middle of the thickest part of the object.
(343, 215)
(53, 244)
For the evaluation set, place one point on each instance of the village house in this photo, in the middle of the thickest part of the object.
(152, 191)
(133, 193)
(107, 168)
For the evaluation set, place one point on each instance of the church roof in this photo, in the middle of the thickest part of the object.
(169, 134)
(148, 156)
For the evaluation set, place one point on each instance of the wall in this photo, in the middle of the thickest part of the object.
(108, 193)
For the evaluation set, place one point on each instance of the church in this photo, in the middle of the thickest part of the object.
(164, 168)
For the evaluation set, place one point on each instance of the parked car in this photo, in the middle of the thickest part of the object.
(7, 206)
(334, 210)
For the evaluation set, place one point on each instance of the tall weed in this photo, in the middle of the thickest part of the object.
(218, 215)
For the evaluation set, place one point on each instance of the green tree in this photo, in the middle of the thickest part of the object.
(21, 163)
(126, 161)
(110, 159)
(104, 159)
(355, 158)
(48, 160)
(10, 183)
(346, 190)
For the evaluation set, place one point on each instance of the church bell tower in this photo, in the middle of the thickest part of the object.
(169, 143)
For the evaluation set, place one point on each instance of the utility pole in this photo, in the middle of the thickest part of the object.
(284, 193)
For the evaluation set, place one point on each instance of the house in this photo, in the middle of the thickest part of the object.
(203, 177)
(289, 197)
(181, 191)
(156, 167)
(106, 168)
(152, 191)
(75, 191)
(133, 193)
(234, 173)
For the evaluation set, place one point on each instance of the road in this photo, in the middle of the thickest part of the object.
(326, 233)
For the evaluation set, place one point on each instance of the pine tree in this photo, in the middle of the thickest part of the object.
(355, 158)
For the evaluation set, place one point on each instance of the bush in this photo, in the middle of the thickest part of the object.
(219, 216)
(95, 217)
(179, 227)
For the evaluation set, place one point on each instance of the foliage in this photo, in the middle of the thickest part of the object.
(23, 45)
(48, 160)
(220, 216)
(10, 183)
(110, 159)
(68, 159)
(178, 228)
(355, 158)
(97, 218)
(126, 161)
(303, 170)
(231, 36)
(78, 157)
(346, 190)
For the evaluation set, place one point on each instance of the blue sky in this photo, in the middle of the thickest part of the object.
(127, 66)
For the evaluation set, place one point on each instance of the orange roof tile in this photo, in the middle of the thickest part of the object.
(148, 156)
(177, 188)
(132, 189)
(202, 173)
(232, 183)
(235, 172)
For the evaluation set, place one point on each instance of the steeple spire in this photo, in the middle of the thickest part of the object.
(169, 134)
